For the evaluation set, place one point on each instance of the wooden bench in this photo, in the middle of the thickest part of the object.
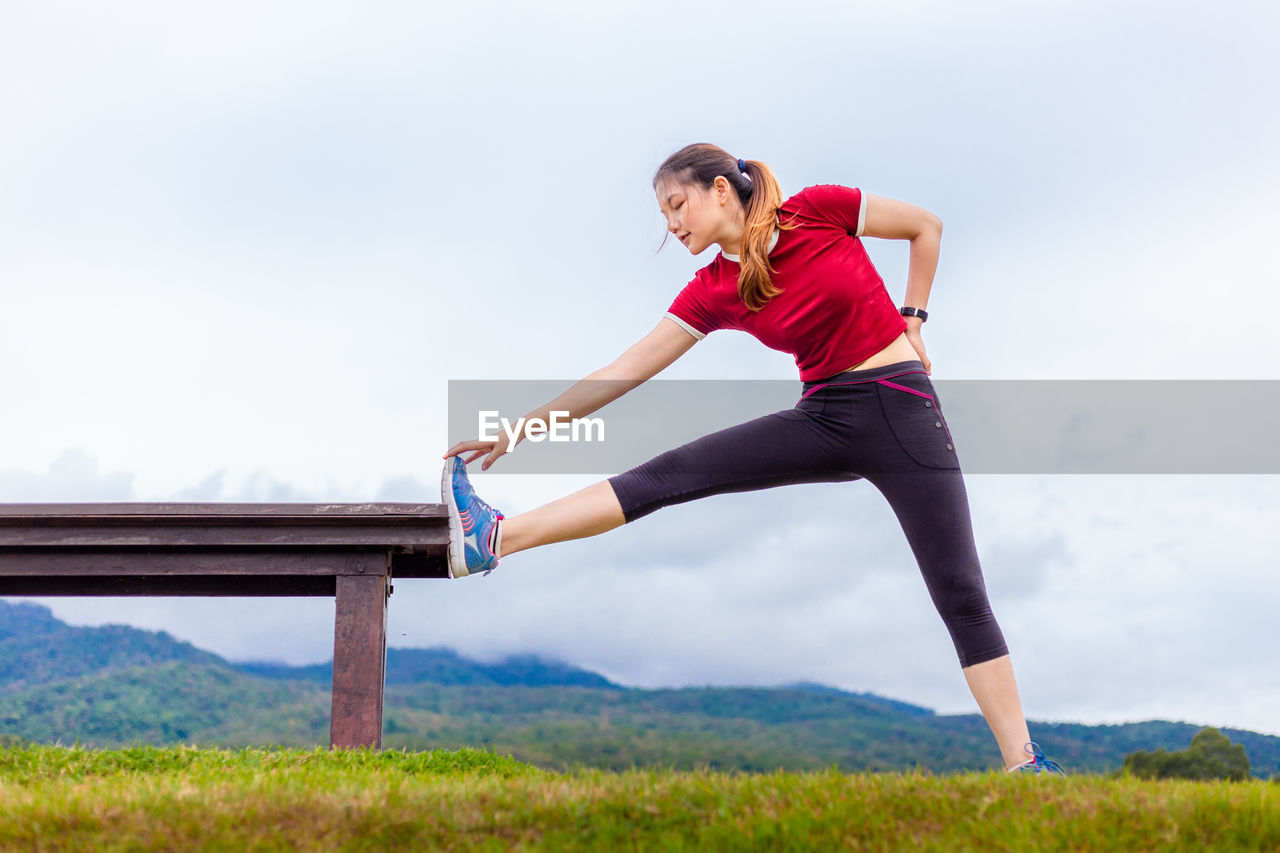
(346, 550)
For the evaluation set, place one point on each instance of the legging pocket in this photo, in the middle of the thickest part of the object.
(911, 409)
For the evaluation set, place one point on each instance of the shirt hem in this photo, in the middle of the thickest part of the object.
(825, 372)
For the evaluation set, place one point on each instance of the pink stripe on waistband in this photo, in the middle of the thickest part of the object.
(861, 381)
(905, 388)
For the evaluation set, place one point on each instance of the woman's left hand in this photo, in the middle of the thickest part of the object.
(913, 335)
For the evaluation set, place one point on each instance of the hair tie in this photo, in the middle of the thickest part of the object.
(742, 166)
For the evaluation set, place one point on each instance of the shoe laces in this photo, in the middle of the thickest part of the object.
(476, 500)
(490, 510)
(1039, 760)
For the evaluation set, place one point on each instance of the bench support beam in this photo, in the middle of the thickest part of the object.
(359, 659)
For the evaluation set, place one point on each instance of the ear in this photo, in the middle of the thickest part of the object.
(720, 186)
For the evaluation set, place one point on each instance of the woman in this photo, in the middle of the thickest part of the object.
(795, 275)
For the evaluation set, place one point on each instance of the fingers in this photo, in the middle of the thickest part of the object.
(470, 451)
(463, 446)
(913, 336)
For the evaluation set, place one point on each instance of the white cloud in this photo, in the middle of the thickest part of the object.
(73, 477)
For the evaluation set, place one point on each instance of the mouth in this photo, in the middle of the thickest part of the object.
(684, 238)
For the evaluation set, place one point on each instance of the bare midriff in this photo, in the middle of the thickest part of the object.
(899, 350)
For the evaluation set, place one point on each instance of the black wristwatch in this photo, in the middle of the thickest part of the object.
(908, 311)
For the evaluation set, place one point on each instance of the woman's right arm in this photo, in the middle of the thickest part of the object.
(642, 361)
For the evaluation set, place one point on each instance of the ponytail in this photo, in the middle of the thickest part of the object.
(755, 286)
(760, 194)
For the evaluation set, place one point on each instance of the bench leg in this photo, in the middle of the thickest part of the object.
(359, 660)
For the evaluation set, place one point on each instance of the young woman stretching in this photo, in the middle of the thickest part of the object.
(794, 274)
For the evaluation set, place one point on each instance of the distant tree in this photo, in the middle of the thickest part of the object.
(1211, 755)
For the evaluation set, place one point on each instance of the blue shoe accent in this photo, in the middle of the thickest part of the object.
(473, 524)
(1038, 763)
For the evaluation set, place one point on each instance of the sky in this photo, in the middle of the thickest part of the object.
(244, 248)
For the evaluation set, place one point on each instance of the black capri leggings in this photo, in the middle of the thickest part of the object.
(883, 424)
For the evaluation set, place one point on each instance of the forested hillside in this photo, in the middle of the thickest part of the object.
(115, 686)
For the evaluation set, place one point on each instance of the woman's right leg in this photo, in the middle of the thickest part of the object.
(783, 448)
(586, 512)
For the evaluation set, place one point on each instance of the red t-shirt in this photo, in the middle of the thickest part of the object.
(833, 311)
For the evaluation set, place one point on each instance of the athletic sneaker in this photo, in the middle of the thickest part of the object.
(475, 536)
(1037, 763)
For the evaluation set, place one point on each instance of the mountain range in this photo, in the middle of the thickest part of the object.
(116, 685)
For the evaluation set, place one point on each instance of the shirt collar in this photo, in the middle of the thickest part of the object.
(773, 241)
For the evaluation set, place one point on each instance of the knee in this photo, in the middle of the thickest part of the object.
(966, 605)
(972, 625)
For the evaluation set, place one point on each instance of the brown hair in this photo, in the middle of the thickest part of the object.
(760, 194)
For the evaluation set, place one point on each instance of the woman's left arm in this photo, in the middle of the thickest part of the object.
(896, 220)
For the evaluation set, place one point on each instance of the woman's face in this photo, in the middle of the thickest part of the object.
(698, 217)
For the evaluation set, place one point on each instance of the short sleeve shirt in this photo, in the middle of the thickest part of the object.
(833, 311)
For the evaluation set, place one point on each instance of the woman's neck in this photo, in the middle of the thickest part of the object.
(736, 254)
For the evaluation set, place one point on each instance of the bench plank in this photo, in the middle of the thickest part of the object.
(248, 586)
(157, 511)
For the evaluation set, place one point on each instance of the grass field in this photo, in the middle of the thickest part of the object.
(55, 798)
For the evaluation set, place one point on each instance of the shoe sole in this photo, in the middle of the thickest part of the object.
(457, 550)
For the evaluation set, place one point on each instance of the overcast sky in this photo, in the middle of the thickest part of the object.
(244, 247)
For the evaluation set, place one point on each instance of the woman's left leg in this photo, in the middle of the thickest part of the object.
(932, 507)
(996, 691)
(908, 454)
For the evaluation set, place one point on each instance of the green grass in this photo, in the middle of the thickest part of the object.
(55, 798)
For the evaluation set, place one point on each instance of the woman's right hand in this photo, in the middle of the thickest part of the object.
(477, 448)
